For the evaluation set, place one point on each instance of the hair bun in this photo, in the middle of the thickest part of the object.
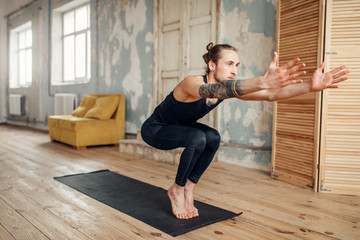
(209, 46)
(214, 53)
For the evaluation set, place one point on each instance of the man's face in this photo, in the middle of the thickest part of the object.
(226, 67)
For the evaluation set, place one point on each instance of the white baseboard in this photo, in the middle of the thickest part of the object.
(39, 126)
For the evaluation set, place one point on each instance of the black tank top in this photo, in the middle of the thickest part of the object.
(172, 111)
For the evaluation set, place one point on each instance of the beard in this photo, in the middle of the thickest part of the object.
(218, 78)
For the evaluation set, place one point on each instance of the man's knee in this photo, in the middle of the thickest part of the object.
(199, 141)
(213, 140)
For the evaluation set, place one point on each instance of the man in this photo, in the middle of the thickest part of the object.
(174, 124)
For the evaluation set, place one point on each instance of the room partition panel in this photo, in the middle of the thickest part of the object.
(316, 136)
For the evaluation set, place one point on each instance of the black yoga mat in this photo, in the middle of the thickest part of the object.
(142, 201)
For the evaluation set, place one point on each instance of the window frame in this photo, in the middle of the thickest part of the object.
(14, 55)
(57, 48)
(87, 32)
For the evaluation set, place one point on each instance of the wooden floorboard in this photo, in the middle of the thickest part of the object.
(35, 206)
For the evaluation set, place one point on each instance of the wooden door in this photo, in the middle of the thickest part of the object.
(296, 121)
(170, 46)
(340, 145)
(185, 28)
(200, 30)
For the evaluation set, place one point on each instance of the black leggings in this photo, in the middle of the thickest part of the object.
(200, 141)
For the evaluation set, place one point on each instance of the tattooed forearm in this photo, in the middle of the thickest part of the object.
(223, 90)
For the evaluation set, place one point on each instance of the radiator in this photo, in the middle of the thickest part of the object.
(65, 103)
(17, 104)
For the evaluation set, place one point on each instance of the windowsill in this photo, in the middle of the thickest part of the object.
(22, 86)
(78, 82)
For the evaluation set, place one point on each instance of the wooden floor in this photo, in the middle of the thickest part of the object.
(34, 206)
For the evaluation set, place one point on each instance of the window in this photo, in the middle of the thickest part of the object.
(76, 44)
(71, 44)
(21, 56)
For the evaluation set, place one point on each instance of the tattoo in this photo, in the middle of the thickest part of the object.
(223, 90)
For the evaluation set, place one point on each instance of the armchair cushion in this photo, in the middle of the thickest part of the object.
(87, 102)
(104, 108)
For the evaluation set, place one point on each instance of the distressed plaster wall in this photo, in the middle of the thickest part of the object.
(246, 126)
(125, 45)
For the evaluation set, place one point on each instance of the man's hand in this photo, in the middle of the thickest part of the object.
(279, 77)
(320, 81)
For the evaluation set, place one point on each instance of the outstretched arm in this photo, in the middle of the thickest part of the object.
(275, 78)
(318, 82)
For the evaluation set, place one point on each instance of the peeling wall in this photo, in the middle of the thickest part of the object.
(125, 43)
(246, 126)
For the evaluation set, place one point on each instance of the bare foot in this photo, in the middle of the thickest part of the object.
(177, 199)
(189, 200)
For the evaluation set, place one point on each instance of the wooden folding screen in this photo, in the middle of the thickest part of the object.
(296, 121)
(316, 137)
(340, 132)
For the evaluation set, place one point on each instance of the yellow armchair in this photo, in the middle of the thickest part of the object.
(89, 125)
